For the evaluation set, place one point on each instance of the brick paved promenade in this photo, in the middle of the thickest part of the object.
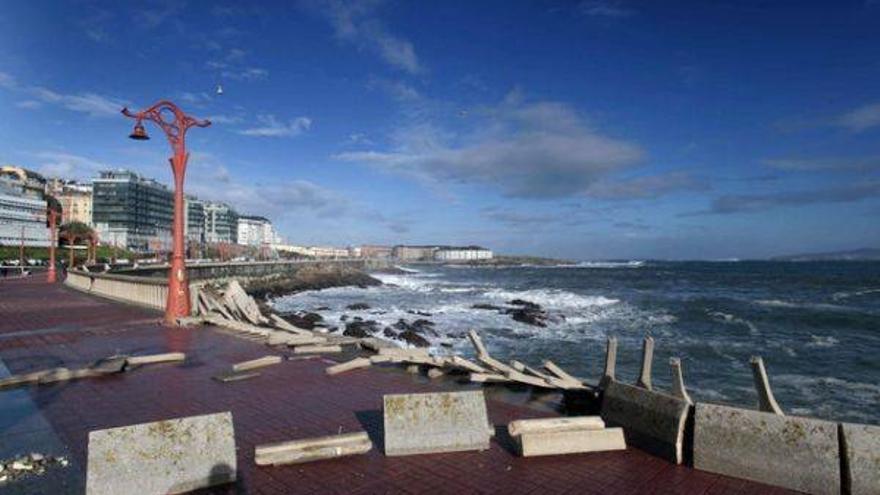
(45, 326)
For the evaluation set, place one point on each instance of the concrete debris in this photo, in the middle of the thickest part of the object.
(312, 449)
(315, 349)
(33, 464)
(235, 376)
(257, 363)
(354, 364)
(570, 435)
(435, 422)
(102, 367)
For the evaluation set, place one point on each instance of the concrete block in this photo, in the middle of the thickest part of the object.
(788, 451)
(570, 442)
(861, 448)
(653, 421)
(257, 363)
(312, 449)
(548, 425)
(171, 456)
(435, 422)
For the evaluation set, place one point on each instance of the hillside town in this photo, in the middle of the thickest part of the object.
(134, 213)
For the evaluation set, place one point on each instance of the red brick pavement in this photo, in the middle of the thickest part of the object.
(43, 326)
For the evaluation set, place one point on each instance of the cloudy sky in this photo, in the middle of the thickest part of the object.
(581, 129)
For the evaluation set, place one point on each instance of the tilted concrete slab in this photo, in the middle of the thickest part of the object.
(861, 445)
(171, 456)
(652, 421)
(435, 422)
(787, 451)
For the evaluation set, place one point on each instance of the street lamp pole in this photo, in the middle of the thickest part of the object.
(174, 123)
(52, 276)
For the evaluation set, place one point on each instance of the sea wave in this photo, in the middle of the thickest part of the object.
(846, 295)
(728, 318)
(551, 298)
(610, 264)
(823, 341)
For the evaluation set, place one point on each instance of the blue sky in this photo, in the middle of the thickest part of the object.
(591, 129)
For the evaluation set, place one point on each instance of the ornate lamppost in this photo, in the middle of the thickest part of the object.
(174, 123)
(52, 213)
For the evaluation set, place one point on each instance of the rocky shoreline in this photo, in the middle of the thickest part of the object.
(309, 278)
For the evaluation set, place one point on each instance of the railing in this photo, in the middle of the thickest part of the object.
(142, 291)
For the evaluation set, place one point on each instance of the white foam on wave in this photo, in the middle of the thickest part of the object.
(823, 341)
(846, 295)
(551, 298)
(611, 264)
(778, 303)
(731, 319)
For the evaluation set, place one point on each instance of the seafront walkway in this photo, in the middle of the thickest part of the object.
(45, 326)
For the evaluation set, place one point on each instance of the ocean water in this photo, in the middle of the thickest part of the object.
(816, 324)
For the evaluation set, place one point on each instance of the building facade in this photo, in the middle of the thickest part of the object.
(414, 253)
(76, 202)
(375, 252)
(462, 254)
(22, 216)
(256, 231)
(194, 228)
(221, 223)
(131, 211)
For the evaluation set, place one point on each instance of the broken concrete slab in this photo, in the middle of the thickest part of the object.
(861, 451)
(315, 349)
(354, 364)
(548, 425)
(435, 422)
(170, 456)
(312, 449)
(168, 357)
(235, 376)
(788, 451)
(257, 363)
(570, 442)
(652, 421)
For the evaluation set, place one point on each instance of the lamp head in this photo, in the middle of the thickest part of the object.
(139, 133)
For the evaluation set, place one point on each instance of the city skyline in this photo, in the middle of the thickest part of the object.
(582, 130)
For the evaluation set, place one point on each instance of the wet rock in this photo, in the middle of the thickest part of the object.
(524, 304)
(323, 308)
(358, 306)
(389, 332)
(419, 313)
(490, 307)
(529, 317)
(420, 326)
(306, 320)
(361, 329)
(343, 318)
(315, 277)
(412, 338)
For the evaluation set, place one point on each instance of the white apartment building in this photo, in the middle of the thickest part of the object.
(22, 217)
(256, 231)
(458, 254)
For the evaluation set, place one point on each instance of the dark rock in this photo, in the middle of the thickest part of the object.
(361, 329)
(413, 338)
(323, 308)
(524, 303)
(358, 306)
(311, 277)
(419, 313)
(390, 333)
(303, 319)
(446, 344)
(490, 307)
(529, 316)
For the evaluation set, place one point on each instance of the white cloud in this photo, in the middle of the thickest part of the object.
(355, 22)
(66, 165)
(648, 186)
(246, 74)
(535, 150)
(270, 126)
(91, 104)
(861, 118)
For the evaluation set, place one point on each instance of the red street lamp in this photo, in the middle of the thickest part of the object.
(52, 276)
(175, 123)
